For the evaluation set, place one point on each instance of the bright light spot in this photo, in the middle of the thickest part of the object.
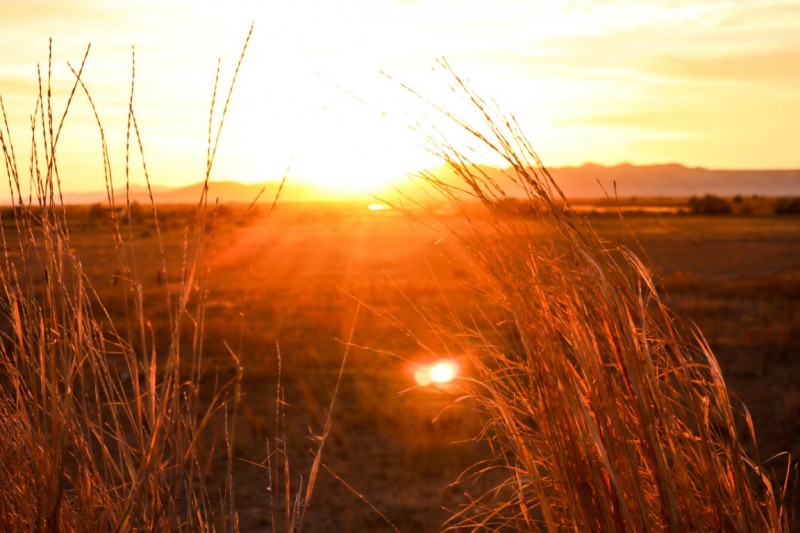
(444, 372)
(376, 207)
(437, 373)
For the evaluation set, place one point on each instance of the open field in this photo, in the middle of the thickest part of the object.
(293, 282)
(490, 348)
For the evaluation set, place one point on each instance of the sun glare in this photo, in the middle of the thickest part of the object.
(311, 95)
(438, 373)
(376, 207)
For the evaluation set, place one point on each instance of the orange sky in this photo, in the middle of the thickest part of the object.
(713, 83)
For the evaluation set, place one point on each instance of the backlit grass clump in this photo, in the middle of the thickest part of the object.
(101, 430)
(604, 411)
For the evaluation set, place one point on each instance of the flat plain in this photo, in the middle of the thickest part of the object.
(285, 290)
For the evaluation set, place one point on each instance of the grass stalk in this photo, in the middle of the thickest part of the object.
(604, 410)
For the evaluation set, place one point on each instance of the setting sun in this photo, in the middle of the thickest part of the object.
(641, 82)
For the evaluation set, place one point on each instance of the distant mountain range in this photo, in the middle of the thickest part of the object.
(224, 191)
(586, 181)
(674, 180)
(670, 180)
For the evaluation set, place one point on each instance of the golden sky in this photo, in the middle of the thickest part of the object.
(714, 83)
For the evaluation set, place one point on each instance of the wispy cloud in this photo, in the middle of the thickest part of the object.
(782, 65)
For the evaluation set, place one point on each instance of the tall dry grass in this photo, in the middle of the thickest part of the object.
(605, 411)
(100, 431)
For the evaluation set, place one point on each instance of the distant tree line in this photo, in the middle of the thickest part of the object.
(787, 206)
(710, 205)
(715, 205)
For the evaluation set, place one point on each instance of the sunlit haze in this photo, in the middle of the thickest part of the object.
(710, 83)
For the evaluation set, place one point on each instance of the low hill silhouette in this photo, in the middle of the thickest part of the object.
(586, 181)
(672, 180)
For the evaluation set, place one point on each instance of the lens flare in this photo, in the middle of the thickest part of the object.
(376, 207)
(437, 373)
(443, 372)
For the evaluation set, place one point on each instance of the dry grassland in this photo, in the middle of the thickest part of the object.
(291, 283)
